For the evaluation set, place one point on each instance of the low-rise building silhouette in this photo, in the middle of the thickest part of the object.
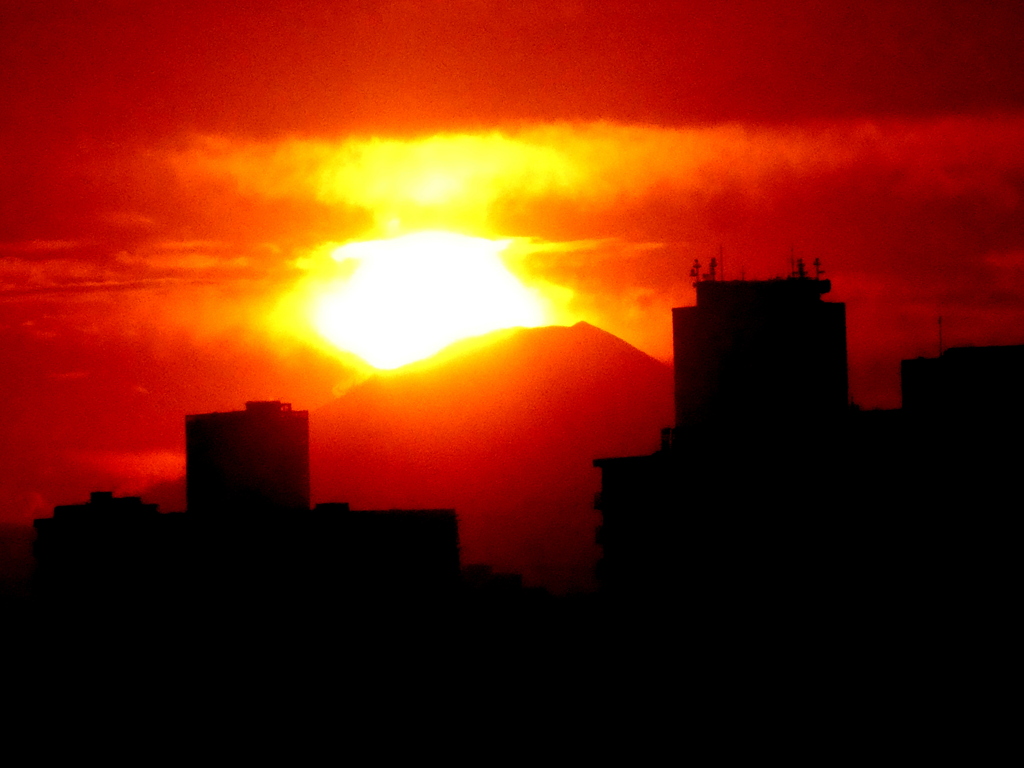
(248, 537)
(106, 549)
(965, 382)
(412, 553)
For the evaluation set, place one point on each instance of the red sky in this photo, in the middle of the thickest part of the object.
(163, 167)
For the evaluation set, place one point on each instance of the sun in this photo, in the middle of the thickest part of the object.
(409, 297)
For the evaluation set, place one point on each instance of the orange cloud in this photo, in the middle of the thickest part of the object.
(461, 177)
(613, 214)
(604, 218)
(134, 473)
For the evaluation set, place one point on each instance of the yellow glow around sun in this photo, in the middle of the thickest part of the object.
(409, 297)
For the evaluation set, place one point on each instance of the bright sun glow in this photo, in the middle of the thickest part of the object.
(411, 296)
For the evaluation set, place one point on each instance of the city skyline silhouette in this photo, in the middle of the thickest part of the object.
(735, 489)
(759, 522)
(800, 531)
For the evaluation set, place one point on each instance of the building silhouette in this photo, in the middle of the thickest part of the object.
(252, 461)
(959, 432)
(761, 386)
(759, 350)
(965, 383)
(772, 503)
(108, 549)
(248, 539)
(363, 555)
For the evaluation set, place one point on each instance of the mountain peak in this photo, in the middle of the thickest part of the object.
(505, 432)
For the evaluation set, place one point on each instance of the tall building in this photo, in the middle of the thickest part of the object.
(256, 460)
(759, 350)
(761, 379)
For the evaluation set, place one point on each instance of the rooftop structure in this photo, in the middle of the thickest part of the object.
(758, 351)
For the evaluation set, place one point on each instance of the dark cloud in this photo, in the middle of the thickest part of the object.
(127, 70)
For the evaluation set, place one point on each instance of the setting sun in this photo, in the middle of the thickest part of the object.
(409, 297)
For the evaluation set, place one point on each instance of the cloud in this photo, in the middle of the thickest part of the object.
(39, 246)
(616, 213)
(604, 165)
(133, 472)
(149, 265)
(610, 214)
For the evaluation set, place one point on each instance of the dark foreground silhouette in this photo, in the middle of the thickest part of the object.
(774, 509)
(778, 543)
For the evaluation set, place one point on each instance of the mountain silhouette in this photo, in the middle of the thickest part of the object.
(505, 432)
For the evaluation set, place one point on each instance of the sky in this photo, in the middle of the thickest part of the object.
(177, 178)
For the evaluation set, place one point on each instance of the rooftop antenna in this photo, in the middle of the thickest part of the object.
(801, 272)
(818, 271)
(712, 267)
(695, 272)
